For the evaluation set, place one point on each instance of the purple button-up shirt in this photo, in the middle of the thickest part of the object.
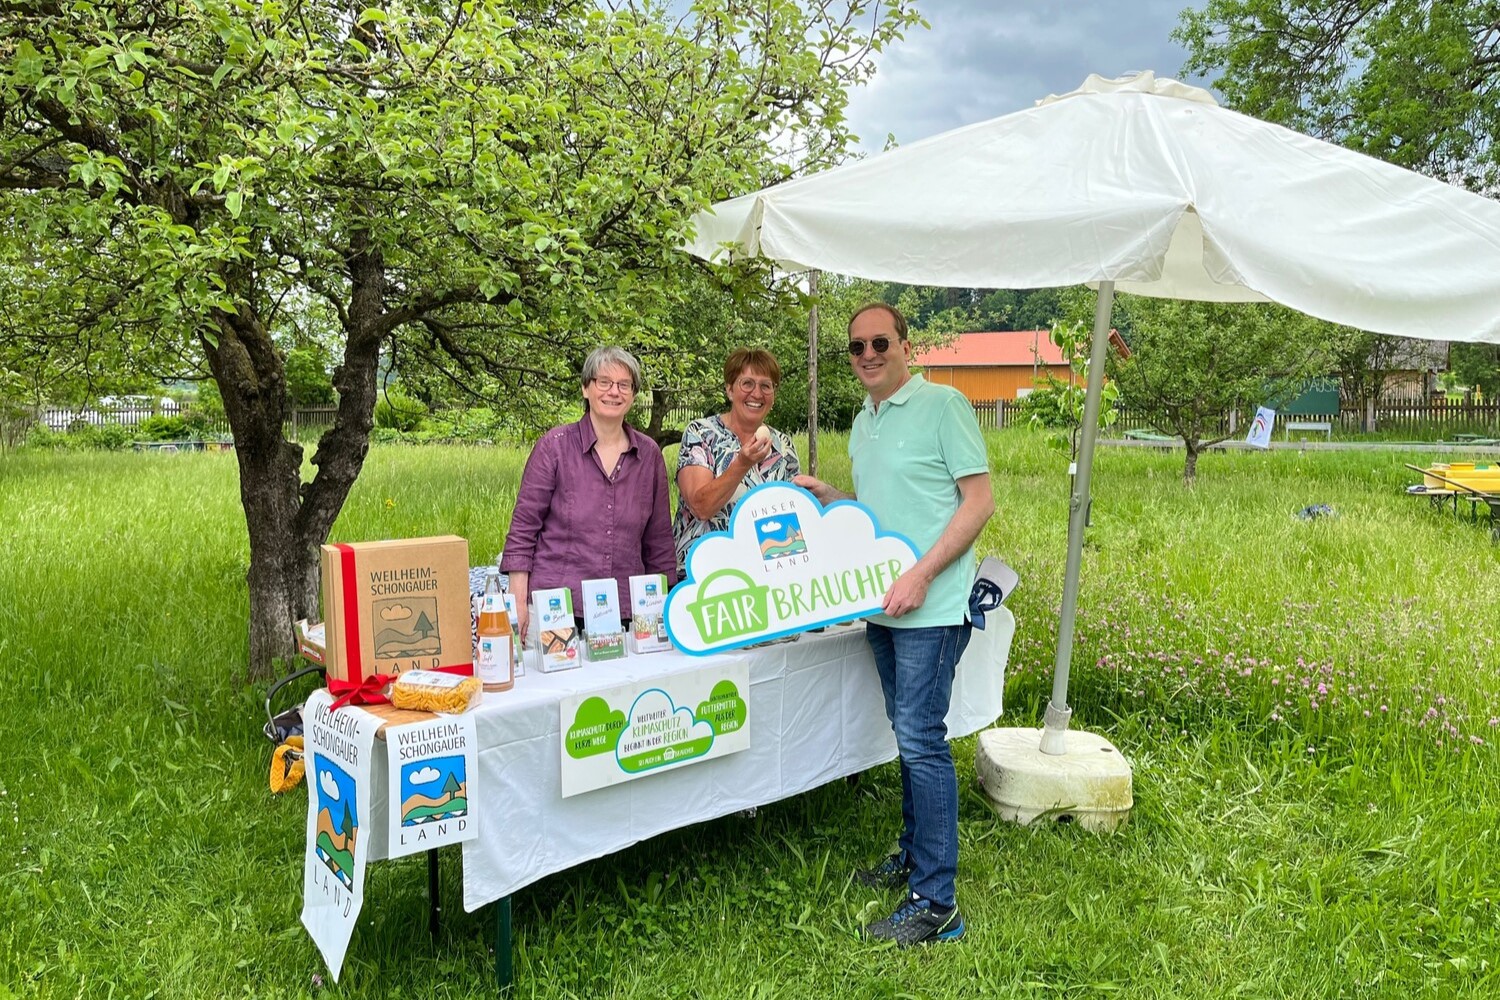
(573, 523)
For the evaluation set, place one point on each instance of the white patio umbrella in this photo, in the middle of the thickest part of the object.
(1149, 187)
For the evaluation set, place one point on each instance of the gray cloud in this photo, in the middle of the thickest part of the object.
(984, 58)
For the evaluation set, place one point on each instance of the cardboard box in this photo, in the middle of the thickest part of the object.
(310, 642)
(396, 605)
(556, 632)
(648, 620)
(603, 637)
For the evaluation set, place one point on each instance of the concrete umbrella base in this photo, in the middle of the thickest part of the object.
(1089, 785)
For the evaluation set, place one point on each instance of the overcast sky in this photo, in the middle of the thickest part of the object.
(984, 58)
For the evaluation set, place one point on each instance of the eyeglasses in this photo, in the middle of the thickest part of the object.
(765, 385)
(881, 345)
(606, 384)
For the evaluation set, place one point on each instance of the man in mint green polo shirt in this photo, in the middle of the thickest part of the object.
(920, 464)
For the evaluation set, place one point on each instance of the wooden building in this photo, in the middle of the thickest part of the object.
(994, 365)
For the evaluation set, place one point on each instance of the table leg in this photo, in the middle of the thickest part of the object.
(504, 973)
(432, 892)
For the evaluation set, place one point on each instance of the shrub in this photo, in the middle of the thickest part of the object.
(210, 401)
(397, 410)
(479, 424)
(80, 437)
(1046, 406)
(307, 378)
(162, 429)
(436, 428)
(42, 436)
(111, 437)
(196, 422)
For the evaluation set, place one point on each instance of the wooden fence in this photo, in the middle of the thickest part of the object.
(1411, 420)
(995, 414)
(305, 424)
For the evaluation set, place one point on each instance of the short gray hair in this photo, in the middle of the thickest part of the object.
(603, 357)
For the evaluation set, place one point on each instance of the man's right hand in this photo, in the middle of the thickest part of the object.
(826, 494)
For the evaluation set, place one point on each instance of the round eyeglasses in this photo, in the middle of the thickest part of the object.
(880, 344)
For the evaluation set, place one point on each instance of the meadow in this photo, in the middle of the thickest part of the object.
(1311, 707)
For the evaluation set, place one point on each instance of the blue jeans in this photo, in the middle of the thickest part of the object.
(916, 675)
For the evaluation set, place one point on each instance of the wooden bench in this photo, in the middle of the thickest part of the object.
(1326, 426)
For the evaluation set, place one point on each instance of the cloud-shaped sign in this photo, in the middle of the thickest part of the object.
(658, 734)
(595, 729)
(328, 783)
(725, 710)
(425, 775)
(395, 613)
(787, 564)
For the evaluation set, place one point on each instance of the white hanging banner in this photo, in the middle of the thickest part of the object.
(1261, 428)
(433, 783)
(787, 564)
(338, 809)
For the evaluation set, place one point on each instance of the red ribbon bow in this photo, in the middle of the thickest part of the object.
(370, 691)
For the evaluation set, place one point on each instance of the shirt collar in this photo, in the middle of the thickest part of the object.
(901, 395)
(587, 438)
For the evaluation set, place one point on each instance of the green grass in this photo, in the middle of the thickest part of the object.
(1284, 843)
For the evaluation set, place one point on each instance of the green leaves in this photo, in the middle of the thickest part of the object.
(522, 174)
(1412, 83)
(27, 64)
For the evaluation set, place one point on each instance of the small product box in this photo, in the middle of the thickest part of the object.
(310, 642)
(648, 605)
(515, 647)
(556, 632)
(394, 606)
(601, 620)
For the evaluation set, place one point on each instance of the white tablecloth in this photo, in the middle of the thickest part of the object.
(816, 715)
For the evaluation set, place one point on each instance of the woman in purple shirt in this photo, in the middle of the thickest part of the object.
(593, 497)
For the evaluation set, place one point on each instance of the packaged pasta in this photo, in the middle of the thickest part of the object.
(431, 691)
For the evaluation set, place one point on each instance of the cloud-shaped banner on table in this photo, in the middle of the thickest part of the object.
(658, 733)
(787, 564)
(595, 729)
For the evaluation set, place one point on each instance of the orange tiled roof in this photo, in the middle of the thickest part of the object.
(1004, 348)
(993, 349)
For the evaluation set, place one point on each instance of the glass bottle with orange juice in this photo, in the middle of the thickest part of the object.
(495, 666)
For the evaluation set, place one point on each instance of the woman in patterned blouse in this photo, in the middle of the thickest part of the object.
(722, 456)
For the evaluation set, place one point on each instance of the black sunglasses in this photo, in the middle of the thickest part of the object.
(881, 345)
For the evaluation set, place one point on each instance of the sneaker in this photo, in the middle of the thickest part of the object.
(914, 922)
(893, 871)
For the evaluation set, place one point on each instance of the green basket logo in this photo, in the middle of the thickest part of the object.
(733, 613)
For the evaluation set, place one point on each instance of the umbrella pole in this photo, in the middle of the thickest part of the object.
(1058, 713)
(812, 376)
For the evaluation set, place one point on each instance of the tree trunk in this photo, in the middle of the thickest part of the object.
(287, 520)
(660, 404)
(252, 382)
(1190, 468)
